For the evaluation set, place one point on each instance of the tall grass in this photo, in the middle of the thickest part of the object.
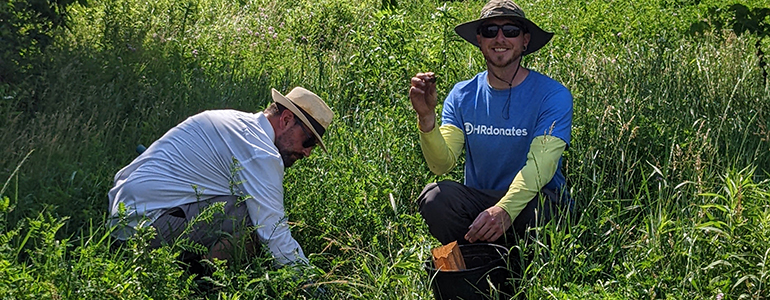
(668, 161)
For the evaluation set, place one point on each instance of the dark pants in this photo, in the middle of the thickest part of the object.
(172, 224)
(448, 208)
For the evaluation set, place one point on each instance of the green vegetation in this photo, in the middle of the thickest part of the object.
(668, 165)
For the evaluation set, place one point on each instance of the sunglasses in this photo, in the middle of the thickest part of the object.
(490, 31)
(311, 141)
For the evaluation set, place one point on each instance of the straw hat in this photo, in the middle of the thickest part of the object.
(310, 109)
(508, 9)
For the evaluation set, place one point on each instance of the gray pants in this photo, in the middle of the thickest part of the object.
(173, 222)
(448, 208)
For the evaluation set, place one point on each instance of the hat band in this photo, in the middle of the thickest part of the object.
(317, 126)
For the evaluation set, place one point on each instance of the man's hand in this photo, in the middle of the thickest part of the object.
(489, 225)
(423, 97)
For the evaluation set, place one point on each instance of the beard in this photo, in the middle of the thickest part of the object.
(501, 62)
(289, 157)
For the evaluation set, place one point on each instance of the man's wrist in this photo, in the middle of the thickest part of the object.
(426, 123)
(506, 213)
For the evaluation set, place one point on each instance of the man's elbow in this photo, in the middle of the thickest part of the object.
(440, 169)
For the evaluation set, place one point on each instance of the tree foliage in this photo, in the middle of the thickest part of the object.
(26, 29)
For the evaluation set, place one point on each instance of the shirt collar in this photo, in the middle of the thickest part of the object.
(266, 126)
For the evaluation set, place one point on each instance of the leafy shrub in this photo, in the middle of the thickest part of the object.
(26, 29)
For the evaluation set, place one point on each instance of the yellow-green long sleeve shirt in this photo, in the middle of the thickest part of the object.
(442, 147)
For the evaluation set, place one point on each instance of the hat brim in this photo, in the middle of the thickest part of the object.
(538, 36)
(281, 99)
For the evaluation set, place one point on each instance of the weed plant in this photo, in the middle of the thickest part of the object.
(668, 162)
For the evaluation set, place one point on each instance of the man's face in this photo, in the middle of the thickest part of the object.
(295, 143)
(501, 51)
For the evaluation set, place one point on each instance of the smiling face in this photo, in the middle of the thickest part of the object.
(501, 51)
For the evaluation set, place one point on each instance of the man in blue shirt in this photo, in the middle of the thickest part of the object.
(513, 123)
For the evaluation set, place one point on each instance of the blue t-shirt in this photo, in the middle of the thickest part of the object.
(495, 147)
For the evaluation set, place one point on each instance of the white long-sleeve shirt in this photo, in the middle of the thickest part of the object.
(194, 161)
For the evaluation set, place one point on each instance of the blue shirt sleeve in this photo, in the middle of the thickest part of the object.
(448, 111)
(556, 115)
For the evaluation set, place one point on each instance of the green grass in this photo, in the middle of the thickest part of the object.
(668, 163)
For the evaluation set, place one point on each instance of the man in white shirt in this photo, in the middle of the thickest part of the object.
(228, 156)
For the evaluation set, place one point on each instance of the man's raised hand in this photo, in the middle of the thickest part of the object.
(422, 94)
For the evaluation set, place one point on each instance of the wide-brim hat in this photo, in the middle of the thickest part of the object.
(507, 9)
(309, 108)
